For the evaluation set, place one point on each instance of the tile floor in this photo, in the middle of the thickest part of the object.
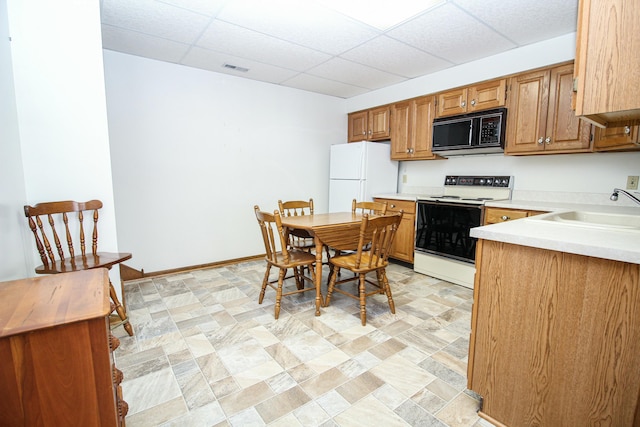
(205, 353)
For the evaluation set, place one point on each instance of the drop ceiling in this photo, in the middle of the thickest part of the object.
(327, 46)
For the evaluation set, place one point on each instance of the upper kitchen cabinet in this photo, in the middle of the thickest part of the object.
(540, 118)
(411, 129)
(370, 125)
(619, 138)
(482, 96)
(607, 64)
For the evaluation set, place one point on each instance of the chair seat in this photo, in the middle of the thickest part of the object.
(296, 258)
(87, 262)
(349, 261)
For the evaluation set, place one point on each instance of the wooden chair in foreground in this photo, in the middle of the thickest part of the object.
(59, 233)
(279, 255)
(374, 237)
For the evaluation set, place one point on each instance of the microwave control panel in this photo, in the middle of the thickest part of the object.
(490, 129)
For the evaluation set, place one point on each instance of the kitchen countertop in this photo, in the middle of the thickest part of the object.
(582, 240)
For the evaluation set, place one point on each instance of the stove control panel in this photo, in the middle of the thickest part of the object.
(479, 181)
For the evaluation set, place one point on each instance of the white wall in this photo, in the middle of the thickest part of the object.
(60, 108)
(193, 151)
(577, 173)
(14, 264)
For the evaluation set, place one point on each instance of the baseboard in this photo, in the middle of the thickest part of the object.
(129, 273)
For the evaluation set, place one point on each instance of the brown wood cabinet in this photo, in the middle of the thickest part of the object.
(607, 65)
(411, 129)
(403, 244)
(55, 345)
(554, 338)
(481, 96)
(496, 215)
(619, 138)
(370, 125)
(540, 119)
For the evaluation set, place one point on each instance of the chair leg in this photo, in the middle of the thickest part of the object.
(387, 290)
(297, 273)
(264, 284)
(332, 283)
(120, 310)
(279, 291)
(363, 300)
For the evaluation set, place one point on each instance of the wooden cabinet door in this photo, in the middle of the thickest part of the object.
(379, 123)
(357, 123)
(401, 132)
(616, 138)
(565, 131)
(487, 95)
(452, 102)
(527, 114)
(421, 135)
(404, 241)
(607, 65)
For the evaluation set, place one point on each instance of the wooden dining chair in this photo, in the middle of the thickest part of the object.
(280, 255)
(59, 232)
(371, 208)
(374, 237)
(298, 239)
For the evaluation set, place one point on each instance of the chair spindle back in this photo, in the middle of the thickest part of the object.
(55, 214)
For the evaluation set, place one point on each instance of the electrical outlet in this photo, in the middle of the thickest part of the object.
(404, 179)
(632, 182)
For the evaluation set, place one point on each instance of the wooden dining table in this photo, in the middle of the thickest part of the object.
(331, 229)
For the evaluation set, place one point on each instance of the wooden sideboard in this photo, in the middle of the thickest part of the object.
(56, 351)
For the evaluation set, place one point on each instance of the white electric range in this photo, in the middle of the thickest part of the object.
(443, 247)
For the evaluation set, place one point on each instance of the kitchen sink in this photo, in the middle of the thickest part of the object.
(602, 220)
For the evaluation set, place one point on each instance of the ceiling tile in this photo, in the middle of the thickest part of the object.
(348, 72)
(451, 34)
(214, 61)
(205, 7)
(301, 22)
(228, 38)
(328, 87)
(154, 18)
(387, 54)
(134, 43)
(529, 22)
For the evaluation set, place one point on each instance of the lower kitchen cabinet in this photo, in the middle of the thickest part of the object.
(496, 215)
(55, 345)
(554, 338)
(403, 243)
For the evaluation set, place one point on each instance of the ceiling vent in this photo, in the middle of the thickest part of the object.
(235, 68)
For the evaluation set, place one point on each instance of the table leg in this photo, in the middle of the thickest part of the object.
(319, 247)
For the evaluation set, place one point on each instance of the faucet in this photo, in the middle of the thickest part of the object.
(614, 195)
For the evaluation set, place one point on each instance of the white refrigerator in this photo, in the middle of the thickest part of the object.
(360, 170)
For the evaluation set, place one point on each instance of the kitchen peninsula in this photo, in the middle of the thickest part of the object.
(554, 337)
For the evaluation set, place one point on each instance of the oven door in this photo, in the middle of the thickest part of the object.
(443, 229)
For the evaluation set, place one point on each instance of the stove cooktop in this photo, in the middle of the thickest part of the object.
(474, 189)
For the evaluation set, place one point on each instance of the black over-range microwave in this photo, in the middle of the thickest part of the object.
(475, 133)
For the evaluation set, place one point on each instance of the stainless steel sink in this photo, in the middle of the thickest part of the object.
(602, 220)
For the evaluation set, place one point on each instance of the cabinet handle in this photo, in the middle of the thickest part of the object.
(473, 102)
(548, 140)
(627, 130)
(463, 104)
(540, 140)
(504, 218)
(392, 206)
